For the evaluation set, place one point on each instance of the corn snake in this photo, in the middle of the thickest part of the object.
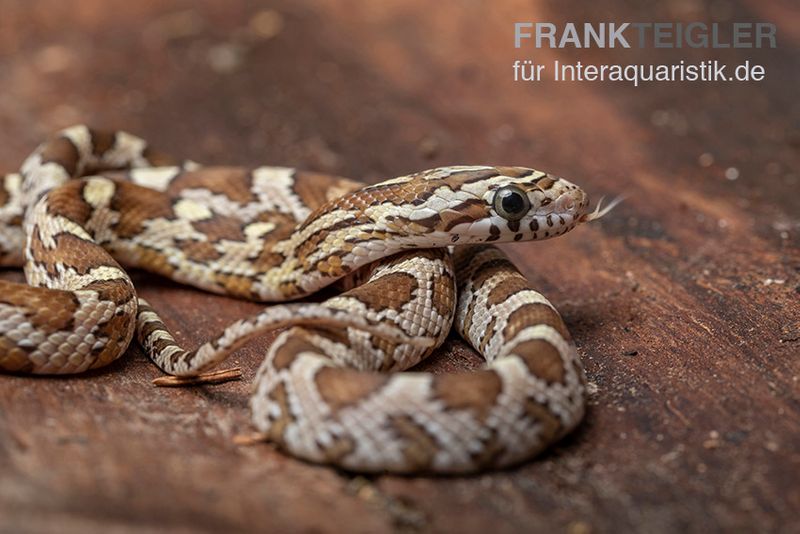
(412, 252)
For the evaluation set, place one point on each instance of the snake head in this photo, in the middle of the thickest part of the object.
(497, 204)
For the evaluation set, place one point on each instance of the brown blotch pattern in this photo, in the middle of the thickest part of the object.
(117, 291)
(542, 359)
(279, 396)
(312, 187)
(71, 250)
(219, 227)
(468, 211)
(68, 202)
(48, 310)
(506, 288)
(345, 387)
(136, 205)
(200, 251)
(292, 345)
(233, 182)
(545, 182)
(419, 446)
(391, 291)
(157, 158)
(475, 391)
(515, 172)
(102, 141)
(235, 285)
(4, 195)
(488, 334)
(63, 152)
(532, 314)
(267, 260)
(549, 426)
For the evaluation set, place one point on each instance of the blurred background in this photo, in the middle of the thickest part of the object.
(375, 89)
(683, 301)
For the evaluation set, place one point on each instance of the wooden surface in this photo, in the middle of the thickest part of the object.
(684, 301)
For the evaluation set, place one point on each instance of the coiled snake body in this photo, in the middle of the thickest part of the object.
(412, 250)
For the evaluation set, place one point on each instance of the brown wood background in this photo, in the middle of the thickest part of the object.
(684, 301)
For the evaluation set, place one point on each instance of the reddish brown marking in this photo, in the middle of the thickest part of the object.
(235, 285)
(466, 212)
(70, 250)
(49, 310)
(293, 344)
(156, 158)
(491, 452)
(116, 291)
(284, 225)
(488, 333)
(386, 347)
(444, 294)
(233, 182)
(155, 262)
(267, 260)
(339, 447)
(309, 245)
(515, 172)
(542, 359)
(419, 447)
(337, 335)
(550, 426)
(508, 286)
(157, 346)
(102, 141)
(14, 358)
(399, 194)
(313, 188)
(63, 152)
(532, 314)
(332, 266)
(476, 391)
(119, 331)
(4, 195)
(392, 291)
(67, 201)
(545, 183)
(468, 177)
(289, 289)
(277, 427)
(136, 205)
(200, 251)
(220, 227)
(490, 268)
(312, 241)
(465, 328)
(344, 387)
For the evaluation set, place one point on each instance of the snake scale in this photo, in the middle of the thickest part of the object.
(412, 256)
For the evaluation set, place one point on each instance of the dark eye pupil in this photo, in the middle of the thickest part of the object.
(513, 202)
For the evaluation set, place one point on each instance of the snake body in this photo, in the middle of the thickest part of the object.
(412, 254)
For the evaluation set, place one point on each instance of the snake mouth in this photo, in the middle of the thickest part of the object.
(599, 211)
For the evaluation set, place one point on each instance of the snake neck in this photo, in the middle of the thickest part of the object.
(433, 209)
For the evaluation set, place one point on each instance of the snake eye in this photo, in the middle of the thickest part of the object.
(511, 203)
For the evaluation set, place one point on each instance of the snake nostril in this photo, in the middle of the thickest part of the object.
(566, 203)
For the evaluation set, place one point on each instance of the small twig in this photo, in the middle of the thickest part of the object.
(677, 413)
(214, 377)
(247, 440)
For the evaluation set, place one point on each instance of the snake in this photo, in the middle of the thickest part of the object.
(411, 258)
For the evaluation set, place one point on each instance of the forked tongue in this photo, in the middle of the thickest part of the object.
(600, 211)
